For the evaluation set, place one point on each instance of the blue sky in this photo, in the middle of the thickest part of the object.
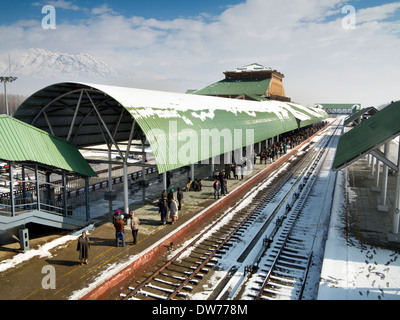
(13, 11)
(180, 45)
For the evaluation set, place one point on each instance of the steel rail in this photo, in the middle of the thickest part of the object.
(293, 224)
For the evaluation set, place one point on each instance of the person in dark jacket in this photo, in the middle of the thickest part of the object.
(164, 211)
(179, 195)
(170, 196)
(83, 248)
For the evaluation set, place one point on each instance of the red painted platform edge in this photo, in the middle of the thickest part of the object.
(181, 232)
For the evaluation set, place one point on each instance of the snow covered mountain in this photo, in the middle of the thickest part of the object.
(44, 64)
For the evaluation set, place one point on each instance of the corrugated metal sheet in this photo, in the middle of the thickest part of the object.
(359, 114)
(368, 135)
(236, 87)
(21, 142)
(180, 127)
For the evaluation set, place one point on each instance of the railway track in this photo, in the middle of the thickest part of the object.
(238, 232)
(284, 267)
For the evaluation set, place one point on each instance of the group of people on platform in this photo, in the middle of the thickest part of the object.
(119, 221)
(168, 205)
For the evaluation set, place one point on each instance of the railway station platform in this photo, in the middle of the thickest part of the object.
(31, 279)
(361, 252)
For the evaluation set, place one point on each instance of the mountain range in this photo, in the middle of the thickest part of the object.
(44, 64)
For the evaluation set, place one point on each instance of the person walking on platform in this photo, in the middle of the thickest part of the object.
(173, 211)
(119, 231)
(179, 195)
(170, 196)
(217, 187)
(135, 227)
(236, 172)
(164, 211)
(83, 248)
(221, 182)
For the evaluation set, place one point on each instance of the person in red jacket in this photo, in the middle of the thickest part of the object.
(119, 230)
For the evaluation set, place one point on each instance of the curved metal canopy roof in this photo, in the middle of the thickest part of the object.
(181, 128)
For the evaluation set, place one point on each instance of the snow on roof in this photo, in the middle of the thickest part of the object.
(254, 67)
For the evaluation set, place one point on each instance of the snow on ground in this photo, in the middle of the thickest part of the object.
(353, 271)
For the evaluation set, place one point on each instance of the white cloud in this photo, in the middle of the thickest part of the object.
(102, 10)
(304, 39)
(58, 4)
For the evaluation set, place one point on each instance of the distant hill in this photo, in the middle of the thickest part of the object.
(44, 64)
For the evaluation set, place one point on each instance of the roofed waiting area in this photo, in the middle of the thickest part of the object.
(372, 137)
(27, 189)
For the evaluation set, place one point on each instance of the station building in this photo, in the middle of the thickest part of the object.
(181, 129)
(250, 82)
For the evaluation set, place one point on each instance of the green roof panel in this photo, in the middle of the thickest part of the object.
(236, 87)
(368, 135)
(21, 142)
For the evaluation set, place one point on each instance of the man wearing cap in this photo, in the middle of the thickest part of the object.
(119, 230)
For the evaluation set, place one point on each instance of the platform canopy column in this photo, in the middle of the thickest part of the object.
(396, 213)
(383, 206)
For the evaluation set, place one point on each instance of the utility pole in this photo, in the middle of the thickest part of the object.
(4, 80)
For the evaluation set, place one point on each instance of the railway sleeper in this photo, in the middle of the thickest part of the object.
(292, 264)
(278, 293)
(186, 273)
(192, 281)
(180, 294)
(176, 285)
(203, 270)
(152, 295)
(290, 254)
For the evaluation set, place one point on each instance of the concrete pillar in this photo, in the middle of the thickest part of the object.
(396, 213)
(143, 173)
(377, 172)
(165, 180)
(192, 171)
(383, 206)
(126, 190)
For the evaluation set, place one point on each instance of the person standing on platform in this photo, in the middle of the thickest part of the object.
(164, 211)
(221, 182)
(119, 231)
(135, 227)
(179, 195)
(170, 196)
(217, 187)
(83, 248)
(173, 210)
(236, 175)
